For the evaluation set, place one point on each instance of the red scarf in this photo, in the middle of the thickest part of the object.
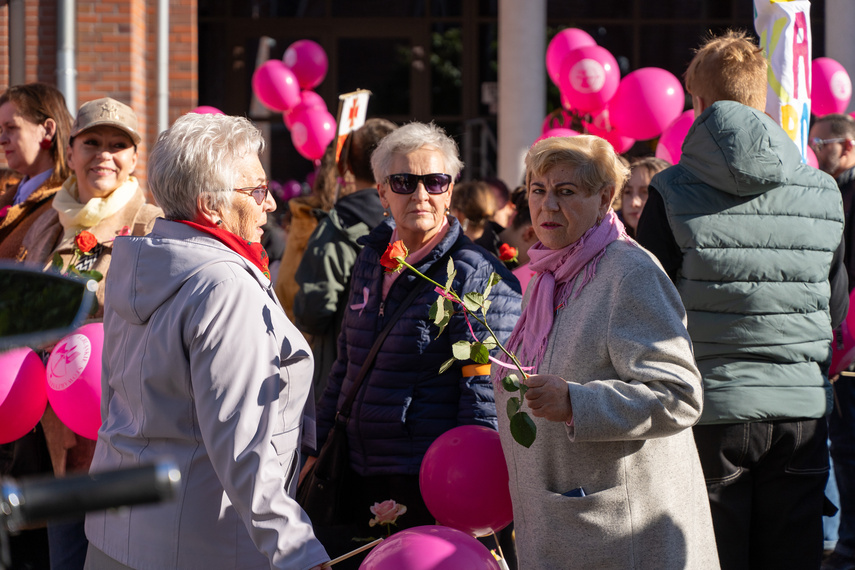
(251, 251)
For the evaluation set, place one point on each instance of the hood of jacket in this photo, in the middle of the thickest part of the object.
(739, 150)
(146, 271)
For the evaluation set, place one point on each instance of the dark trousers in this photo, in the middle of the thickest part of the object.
(841, 432)
(766, 483)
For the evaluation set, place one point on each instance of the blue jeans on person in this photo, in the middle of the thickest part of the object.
(766, 484)
(841, 432)
(68, 544)
(830, 523)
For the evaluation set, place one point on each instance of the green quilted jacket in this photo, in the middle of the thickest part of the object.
(758, 230)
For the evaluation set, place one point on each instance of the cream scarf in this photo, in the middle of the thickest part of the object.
(75, 216)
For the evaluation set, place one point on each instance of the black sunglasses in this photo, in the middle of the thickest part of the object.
(407, 183)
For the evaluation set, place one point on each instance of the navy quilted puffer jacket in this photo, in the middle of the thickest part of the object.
(404, 404)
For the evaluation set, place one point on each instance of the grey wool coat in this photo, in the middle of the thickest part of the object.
(623, 348)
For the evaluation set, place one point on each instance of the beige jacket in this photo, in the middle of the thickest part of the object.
(70, 452)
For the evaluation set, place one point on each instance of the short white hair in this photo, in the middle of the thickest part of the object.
(410, 138)
(199, 153)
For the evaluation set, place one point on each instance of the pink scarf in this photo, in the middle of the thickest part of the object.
(557, 270)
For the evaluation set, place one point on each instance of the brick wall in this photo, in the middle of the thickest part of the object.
(116, 55)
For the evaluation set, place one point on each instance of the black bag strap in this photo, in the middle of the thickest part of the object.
(344, 412)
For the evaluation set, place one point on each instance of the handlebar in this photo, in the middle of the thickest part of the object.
(32, 500)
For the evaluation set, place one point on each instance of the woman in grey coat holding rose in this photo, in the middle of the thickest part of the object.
(613, 478)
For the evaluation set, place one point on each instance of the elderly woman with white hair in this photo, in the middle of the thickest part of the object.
(201, 364)
(405, 401)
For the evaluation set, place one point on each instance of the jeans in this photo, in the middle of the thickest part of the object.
(766, 483)
(68, 544)
(841, 431)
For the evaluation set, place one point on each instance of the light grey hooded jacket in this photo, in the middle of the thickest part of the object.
(201, 364)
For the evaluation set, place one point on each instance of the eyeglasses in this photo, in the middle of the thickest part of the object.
(816, 143)
(407, 183)
(258, 192)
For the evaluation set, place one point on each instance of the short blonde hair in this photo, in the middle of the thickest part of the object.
(593, 159)
(730, 67)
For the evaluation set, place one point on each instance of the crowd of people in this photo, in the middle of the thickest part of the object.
(676, 322)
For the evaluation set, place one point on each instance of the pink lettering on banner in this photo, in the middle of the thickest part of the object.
(801, 54)
(68, 360)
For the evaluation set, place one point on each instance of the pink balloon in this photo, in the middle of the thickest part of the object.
(207, 110)
(276, 86)
(312, 131)
(647, 100)
(563, 43)
(850, 316)
(308, 100)
(589, 78)
(23, 394)
(811, 158)
(557, 132)
(842, 349)
(74, 380)
(601, 126)
(670, 145)
(429, 548)
(831, 89)
(308, 61)
(464, 481)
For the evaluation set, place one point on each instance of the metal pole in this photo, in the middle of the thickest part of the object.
(66, 72)
(162, 65)
(17, 47)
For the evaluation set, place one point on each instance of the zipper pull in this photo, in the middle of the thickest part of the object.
(382, 304)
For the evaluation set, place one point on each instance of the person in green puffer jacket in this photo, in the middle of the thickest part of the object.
(752, 237)
(323, 275)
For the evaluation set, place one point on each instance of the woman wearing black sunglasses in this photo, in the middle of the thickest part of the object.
(404, 402)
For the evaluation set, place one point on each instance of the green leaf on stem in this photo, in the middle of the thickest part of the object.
(513, 406)
(485, 307)
(461, 350)
(447, 364)
(494, 278)
(473, 301)
(523, 429)
(523, 389)
(479, 353)
(490, 342)
(511, 383)
(56, 263)
(451, 275)
(448, 311)
(436, 310)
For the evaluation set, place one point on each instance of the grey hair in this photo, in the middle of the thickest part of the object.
(410, 138)
(199, 154)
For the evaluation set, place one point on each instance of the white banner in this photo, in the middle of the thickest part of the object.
(784, 30)
(352, 108)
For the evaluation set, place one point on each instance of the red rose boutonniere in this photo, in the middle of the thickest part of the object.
(84, 243)
(508, 253)
(393, 258)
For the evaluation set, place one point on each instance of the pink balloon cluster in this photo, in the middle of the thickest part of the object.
(284, 86)
(638, 107)
(71, 382)
(831, 89)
